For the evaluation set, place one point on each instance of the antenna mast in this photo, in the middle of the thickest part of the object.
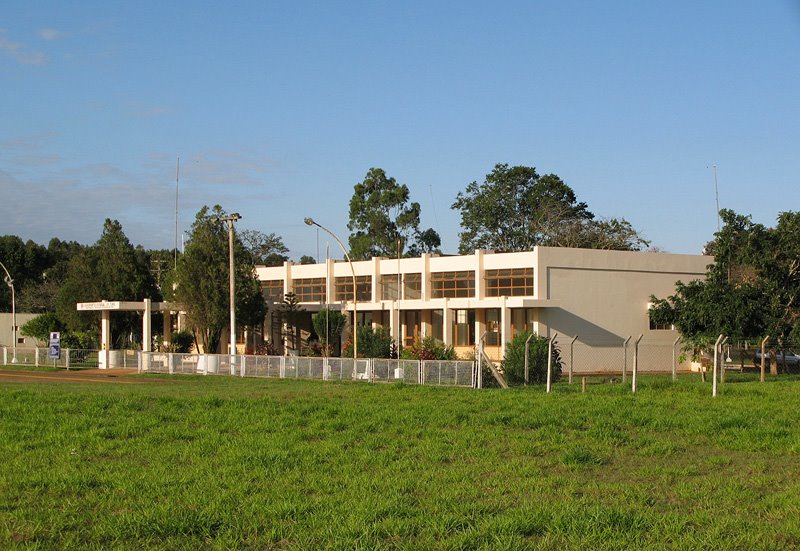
(716, 192)
(177, 179)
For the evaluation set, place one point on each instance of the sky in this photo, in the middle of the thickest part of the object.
(277, 109)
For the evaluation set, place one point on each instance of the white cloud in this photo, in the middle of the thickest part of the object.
(51, 34)
(19, 52)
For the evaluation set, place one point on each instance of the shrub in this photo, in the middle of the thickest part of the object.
(181, 342)
(328, 323)
(429, 349)
(41, 326)
(372, 343)
(514, 362)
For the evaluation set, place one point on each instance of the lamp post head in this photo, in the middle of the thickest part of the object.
(309, 221)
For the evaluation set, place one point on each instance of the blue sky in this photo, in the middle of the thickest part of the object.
(277, 109)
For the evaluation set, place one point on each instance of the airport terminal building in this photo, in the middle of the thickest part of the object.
(600, 296)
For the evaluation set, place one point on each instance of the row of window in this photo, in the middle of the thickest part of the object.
(511, 282)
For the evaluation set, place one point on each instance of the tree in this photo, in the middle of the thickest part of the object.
(111, 269)
(26, 262)
(516, 209)
(202, 280)
(328, 325)
(289, 308)
(383, 222)
(752, 289)
(267, 249)
(306, 259)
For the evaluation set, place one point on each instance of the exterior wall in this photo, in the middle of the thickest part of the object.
(600, 296)
(603, 296)
(7, 331)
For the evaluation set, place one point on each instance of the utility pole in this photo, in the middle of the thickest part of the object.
(229, 220)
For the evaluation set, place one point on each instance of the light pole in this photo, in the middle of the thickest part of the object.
(10, 283)
(311, 222)
(229, 220)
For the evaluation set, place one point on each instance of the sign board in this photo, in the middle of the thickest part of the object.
(55, 346)
(104, 305)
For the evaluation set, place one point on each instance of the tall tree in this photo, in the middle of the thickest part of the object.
(752, 289)
(516, 209)
(202, 280)
(383, 222)
(266, 248)
(26, 262)
(111, 269)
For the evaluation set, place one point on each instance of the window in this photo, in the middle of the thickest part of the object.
(273, 290)
(310, 289)
(437, 325)
(344, 288)
(410, 283)
(453, 284)
(661, 326)
(412, 286)
(409, 320)
(492, 327)
(521, 320)
(464, 327)
(512, 282)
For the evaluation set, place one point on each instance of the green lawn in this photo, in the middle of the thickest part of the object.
(229, 463)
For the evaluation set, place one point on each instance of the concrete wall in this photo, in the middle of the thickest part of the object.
(7, 331)
(603, 296)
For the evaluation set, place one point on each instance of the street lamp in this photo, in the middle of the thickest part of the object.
(229, 220)
(10, 283)
(311, 222)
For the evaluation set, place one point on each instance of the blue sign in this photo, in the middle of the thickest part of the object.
(55, 346)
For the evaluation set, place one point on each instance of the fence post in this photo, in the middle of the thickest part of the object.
(625, 358)
(527, 341)
(5, 355)
(716, 366)
(635, 362)
(170, 363)
(674, 363)
(36, 357)
(763, 357)
(550, 362)
(571, 356)
(66, 356)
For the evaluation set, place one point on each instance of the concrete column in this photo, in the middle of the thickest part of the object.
(376, 279)
(479, 291)
(105, 338)
(167, 326)
(147, 334)
(505, 327)
(426, 276)
(447, 322)
(394, 322)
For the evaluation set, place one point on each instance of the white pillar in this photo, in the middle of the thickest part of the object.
(447, 322)
(105, 338)
(505, 327)
(147, 337)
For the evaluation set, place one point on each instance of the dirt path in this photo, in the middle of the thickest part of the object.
(113, 376)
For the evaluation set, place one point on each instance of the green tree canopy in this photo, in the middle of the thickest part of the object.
(266, 248)
(202, 280)
(111, 269)
(516, 209)
(751, 290)
(384, 223)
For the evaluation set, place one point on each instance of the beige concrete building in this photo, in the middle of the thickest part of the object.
(600, 296)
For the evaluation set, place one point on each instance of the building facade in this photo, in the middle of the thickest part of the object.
(600, 296)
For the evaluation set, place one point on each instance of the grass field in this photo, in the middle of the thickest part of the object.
(258, 464)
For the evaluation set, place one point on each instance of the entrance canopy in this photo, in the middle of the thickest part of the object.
(105, 308)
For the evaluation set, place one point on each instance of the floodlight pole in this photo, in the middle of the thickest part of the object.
(311, 222)
(10, 283)
(229, 220)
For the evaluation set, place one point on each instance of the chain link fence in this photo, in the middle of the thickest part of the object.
(428, 372)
